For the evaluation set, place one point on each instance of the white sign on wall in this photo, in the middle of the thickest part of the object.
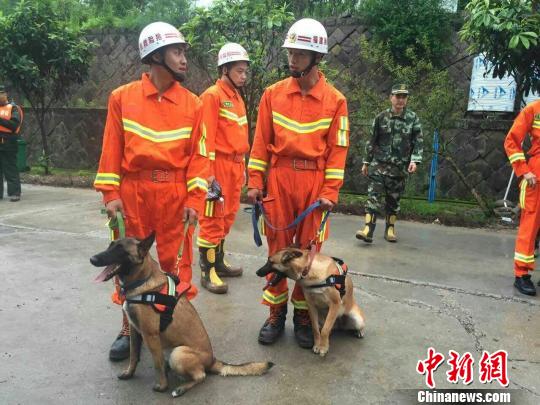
(488, 93)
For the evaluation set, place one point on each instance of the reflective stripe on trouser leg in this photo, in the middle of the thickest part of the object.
(276, 295)
(528, 227)
(297, 298)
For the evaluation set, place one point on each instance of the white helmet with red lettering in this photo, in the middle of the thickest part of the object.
(157, 35)
(308, 34)
(232, 52)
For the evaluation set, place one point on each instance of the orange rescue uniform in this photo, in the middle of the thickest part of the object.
(224, 117)
(527, 122)
(155, 159)
(300, 145)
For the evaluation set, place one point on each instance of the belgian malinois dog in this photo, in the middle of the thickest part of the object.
(326, 304)
(192, 356)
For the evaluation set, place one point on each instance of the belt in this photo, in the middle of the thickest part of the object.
(159, 176)
(297, 164)
(235, 157)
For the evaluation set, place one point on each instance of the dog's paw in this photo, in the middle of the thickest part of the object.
(323, 351)
(316, 349)
(359, 333)
(178, 391)
(125, 375)
(160, 387)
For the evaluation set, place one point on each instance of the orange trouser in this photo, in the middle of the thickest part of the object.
(158, 207)
(289, 193)
(529, 222)
(218, 218)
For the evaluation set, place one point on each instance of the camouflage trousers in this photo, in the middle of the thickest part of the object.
(384, 192)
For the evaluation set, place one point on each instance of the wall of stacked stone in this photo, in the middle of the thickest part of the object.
(76, 139)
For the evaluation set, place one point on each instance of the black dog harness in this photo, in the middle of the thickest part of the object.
(335, 280)
(163, 301)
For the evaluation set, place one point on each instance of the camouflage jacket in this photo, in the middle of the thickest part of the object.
(395, 139)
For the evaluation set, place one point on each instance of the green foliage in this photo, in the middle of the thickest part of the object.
(259, 26)
(421, 25)
(322, 8)
(507, 32)
(42, 57)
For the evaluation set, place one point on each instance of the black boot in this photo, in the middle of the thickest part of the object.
(209, 279)
(224, 269)
(390, 230)
(525, 285)
(367, 233)
(302, 328)
(275, 324)
(120, 347)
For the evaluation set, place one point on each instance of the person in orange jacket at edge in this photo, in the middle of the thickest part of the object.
(527, 122)
(154, 162)
(300, 144)
(224, 116)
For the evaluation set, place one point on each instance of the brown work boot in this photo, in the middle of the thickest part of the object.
(120, 347)
(390, 230)
(367, 233)
(275, 324)
(302, 328)
(209, 278)
(224, 269)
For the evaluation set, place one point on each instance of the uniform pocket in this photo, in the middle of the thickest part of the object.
(528, 196)
(214, 209)
(269, 204)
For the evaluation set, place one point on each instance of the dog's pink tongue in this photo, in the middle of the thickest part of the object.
(103, 275)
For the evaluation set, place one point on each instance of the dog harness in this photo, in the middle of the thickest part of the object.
(163, 301)
(335, 280)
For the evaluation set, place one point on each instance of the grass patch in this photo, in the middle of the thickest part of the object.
(55, 171)
(448, 212)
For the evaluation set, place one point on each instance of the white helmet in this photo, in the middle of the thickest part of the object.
(232, 52)
(309, 34)
(157, 35)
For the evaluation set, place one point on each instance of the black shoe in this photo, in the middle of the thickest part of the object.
(274, 325)
(15, 198)
(120, 348)
(302, 328)
(525, 285)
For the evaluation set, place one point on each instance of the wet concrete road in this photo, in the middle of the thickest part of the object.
(450, 288)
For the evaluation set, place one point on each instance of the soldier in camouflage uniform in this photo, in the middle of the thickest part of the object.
(392, 152)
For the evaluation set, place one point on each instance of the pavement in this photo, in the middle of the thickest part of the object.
(441, 287)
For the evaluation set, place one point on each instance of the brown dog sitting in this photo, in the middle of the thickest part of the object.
(163, 319)
(327, 288)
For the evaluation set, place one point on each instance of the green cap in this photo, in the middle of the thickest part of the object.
(2, 88)
(400, 89)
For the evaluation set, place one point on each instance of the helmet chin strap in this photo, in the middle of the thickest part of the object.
(238, 88)
(296, 74)
(179, 77)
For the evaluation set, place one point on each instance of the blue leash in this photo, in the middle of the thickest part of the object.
(258, 210)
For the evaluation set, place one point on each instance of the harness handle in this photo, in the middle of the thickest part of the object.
(117, 223)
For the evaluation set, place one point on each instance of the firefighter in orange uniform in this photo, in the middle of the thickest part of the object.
(300, 145)
(154, 161)
(527, 122)
(224, 116)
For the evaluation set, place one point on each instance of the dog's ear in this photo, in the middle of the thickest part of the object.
(290, 255)
(144, 245)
